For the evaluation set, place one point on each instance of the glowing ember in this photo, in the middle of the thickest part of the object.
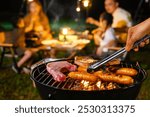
(98, 84)
(91, 86)
(85, 83)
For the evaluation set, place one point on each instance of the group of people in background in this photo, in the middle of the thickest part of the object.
(110, 22)
(112, 25)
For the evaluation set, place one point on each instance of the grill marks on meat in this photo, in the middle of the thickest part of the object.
(56, 69)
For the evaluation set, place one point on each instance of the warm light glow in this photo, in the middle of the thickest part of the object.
(86, 3)
(78, 9)
(85, 83)
(49, 42)
(65, 31)
(30, 0)
(98, 84)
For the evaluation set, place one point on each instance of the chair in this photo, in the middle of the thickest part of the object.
(7, 49)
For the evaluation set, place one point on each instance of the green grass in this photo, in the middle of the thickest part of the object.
(145, 92)
(15, 86)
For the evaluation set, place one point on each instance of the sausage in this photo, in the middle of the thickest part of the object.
(83, 76)
(82, 69)
(127, 71)
(109, 77)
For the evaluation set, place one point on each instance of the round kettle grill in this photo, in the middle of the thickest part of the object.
(50, 89)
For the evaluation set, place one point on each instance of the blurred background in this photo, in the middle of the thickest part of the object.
(57, 10)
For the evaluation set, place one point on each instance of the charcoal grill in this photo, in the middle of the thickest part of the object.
(51, 89)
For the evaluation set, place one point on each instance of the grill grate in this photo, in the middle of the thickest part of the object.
(40, 75)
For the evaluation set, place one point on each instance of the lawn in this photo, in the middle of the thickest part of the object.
(16, 86)
(19, 86)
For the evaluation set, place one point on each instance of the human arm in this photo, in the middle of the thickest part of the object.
(20, 23)
(90, 20)
(97, 35)
(137, 32)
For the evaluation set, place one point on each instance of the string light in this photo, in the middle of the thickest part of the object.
(86, 3)
(65, 31)
(30, 0)
(78, 9)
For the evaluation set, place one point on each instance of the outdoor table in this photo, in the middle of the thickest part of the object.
(71, 47)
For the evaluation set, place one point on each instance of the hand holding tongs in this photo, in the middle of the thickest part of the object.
(98, 64)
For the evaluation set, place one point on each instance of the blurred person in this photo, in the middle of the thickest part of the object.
(35, 21)
(121, 18)
(106, 34)
(137, 32)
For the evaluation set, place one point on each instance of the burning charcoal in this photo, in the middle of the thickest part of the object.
(91, 88)
(98, 84)
(102, 87)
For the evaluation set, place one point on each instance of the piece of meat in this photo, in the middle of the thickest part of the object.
(127, 71)
(83, 61)
(56, 69)
(83, 76)
(110, 77)
(82, 69)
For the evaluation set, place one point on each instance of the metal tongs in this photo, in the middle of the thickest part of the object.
(97, 65)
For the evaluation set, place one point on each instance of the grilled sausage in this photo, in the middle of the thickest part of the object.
(127, 71)
(83, 76)
(109, 77)
(82, 69)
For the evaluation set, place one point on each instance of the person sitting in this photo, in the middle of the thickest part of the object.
(122, 19)
(106, 35)
(35, 21)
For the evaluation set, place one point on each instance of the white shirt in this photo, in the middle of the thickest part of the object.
(121, 14)
(109, 36)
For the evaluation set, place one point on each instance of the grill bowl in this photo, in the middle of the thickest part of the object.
(50, 89)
